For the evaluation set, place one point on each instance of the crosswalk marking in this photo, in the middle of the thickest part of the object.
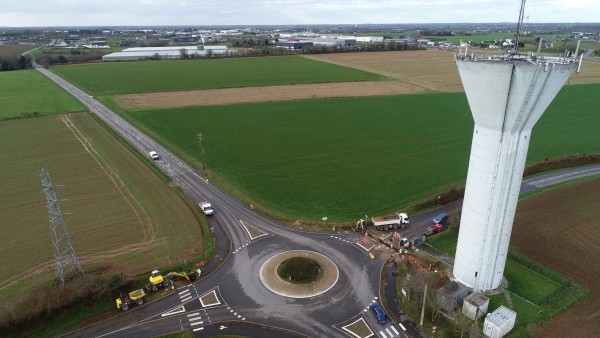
(197, 323)
(402, 326)
(184, 291)
(382, 334)
(394, 329)
(194, 318)
(198, 329)
(388, 331)
(186, 298)
(194, 314)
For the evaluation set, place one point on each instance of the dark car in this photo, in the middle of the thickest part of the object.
(441, 218)
(378, 313)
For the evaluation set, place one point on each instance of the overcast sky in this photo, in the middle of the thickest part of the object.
(20, 13)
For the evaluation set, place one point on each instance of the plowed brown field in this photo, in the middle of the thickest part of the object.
(561, 230)
(213, 97)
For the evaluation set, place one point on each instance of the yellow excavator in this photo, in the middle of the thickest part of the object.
(157, 281)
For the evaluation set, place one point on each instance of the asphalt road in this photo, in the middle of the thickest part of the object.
(236, 284)
(233, 276)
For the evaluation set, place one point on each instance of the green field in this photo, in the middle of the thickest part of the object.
(342, 158)
(119, 213)
(29, 93)
(143, 77)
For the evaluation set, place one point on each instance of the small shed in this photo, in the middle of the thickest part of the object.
(475, 305)
(499, 323)
(451, 295)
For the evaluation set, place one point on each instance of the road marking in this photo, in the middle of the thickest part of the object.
(198, 329)
(382, 334)
(194, 318)
(174, 311)
(185, 291)
(194, 314)
(402, 326)
(186, 299)
(389, 332)
(197, 323)
(394, 329)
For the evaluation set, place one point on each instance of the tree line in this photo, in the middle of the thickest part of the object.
(14, 63)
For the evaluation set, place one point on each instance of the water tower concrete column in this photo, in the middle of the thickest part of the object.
(507, 96)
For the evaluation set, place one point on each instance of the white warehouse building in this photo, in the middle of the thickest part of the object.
(140, 53)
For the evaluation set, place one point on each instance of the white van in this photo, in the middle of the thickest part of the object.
(154, 155)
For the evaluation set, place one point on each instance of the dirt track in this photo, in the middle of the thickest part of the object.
(561, 230)
(213, 97)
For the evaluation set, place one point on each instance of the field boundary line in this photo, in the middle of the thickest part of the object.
(148, 230)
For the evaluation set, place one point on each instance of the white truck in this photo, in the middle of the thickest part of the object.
(395, 221)
(206, 208)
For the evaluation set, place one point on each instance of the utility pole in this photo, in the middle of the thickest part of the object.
(423, 307)
(65, 259)
(200, 139)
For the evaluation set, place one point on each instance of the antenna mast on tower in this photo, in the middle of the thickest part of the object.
(519, 26)
(65, 260)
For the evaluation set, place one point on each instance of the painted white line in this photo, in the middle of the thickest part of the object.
(185, 291)
(394, 329)
(382, 334)
(239, 316)
(402, 326)
(197, 323)
(389, 332)
(198, 329)
(194, 314)
(194, 318)
(176, 310)
(186, 298)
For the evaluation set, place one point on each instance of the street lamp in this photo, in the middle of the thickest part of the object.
(200, 139)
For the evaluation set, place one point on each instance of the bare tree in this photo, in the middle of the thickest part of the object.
(184, 53)
(461, 321)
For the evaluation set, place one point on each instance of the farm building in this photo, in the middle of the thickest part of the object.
(140, 53)
(499, 323)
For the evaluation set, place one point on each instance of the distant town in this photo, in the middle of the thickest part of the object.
(82, 44)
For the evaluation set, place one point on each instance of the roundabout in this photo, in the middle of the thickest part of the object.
(325, 277)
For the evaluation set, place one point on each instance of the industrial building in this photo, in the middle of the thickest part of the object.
(174, 52)
(293, 44)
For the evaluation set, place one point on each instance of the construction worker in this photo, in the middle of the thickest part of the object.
(198, 271)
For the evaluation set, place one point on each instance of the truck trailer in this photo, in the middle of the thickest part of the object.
(398, 220)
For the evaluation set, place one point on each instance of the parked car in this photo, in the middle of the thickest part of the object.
(441, 218)
(379, 313)
(154, 155)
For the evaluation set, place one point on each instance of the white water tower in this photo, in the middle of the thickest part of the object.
(507, 95)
